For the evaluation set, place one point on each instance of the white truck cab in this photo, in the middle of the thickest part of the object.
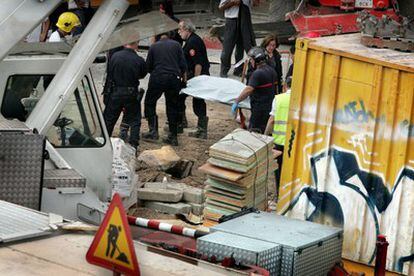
(78, 135)
(47, 93)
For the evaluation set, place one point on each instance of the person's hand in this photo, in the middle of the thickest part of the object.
(234, 108)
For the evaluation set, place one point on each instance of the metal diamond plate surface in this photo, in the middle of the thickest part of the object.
(307, 248)
(18, 222)
(278, 229)
(244, 250)
(325, 255)
(21, 165)
(63, 178)
(12, 125)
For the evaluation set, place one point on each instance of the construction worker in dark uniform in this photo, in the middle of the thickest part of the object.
(261, 89)
(166, 64)
(197, 64)
(125, 70)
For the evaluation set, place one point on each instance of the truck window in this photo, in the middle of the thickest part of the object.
(78, 124)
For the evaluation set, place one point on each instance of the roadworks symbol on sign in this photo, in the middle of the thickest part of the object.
(112, 246)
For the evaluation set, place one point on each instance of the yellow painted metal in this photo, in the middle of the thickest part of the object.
(355, 268)
(349, 152)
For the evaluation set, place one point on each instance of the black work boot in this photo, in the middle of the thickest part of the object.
(180, 129)
(152, 134)
(182, 123)
(171, 139)
(201, 128)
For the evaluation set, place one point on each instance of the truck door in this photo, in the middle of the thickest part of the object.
(79, 133)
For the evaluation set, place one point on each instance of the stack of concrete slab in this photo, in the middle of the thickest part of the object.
(172, 198)
(238, 170)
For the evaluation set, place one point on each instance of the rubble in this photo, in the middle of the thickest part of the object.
(197, 209)
(169, 208)
(182, 169)
(191, 201)
(190, 194)
(162, 159)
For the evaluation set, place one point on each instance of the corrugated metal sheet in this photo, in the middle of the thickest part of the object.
(349, 154)
(18, 223)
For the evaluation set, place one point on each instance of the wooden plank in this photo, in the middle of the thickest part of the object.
(219, 172)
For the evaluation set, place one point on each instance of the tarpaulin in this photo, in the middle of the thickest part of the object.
(216, 89)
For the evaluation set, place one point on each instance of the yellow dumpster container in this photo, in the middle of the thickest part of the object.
(349, 152)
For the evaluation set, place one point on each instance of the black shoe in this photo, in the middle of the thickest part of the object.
(201, 132)
(170, 140)
(152, 134)
(180, 129)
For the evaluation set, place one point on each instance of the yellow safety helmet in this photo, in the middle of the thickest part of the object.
(67, 21)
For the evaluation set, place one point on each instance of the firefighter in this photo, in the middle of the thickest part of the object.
(197, 64)
(166, 64)
(124, 71)
(278, 123)
(66, 23)
(261, 89)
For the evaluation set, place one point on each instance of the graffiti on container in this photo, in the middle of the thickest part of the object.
(355, 112)
(342, 190)
(292, 138)
(360, 143)
(407, 128)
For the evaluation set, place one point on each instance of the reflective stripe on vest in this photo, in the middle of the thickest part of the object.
(281, 113)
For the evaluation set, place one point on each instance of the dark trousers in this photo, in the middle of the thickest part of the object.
(237, 31)
(132, 114)
(169, 85)
(199, 106)
(258, 120)
(278, 172)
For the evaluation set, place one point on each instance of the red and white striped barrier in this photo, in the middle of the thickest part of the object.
(166, 227)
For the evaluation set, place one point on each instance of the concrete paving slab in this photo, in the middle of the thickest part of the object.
(163, 195)
(169, 208)
(190, 194)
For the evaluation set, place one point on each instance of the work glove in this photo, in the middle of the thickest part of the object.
(234, 108)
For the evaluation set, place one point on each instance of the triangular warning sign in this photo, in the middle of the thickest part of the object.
(112, 246)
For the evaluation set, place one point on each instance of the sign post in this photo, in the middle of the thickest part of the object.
(112, 247)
